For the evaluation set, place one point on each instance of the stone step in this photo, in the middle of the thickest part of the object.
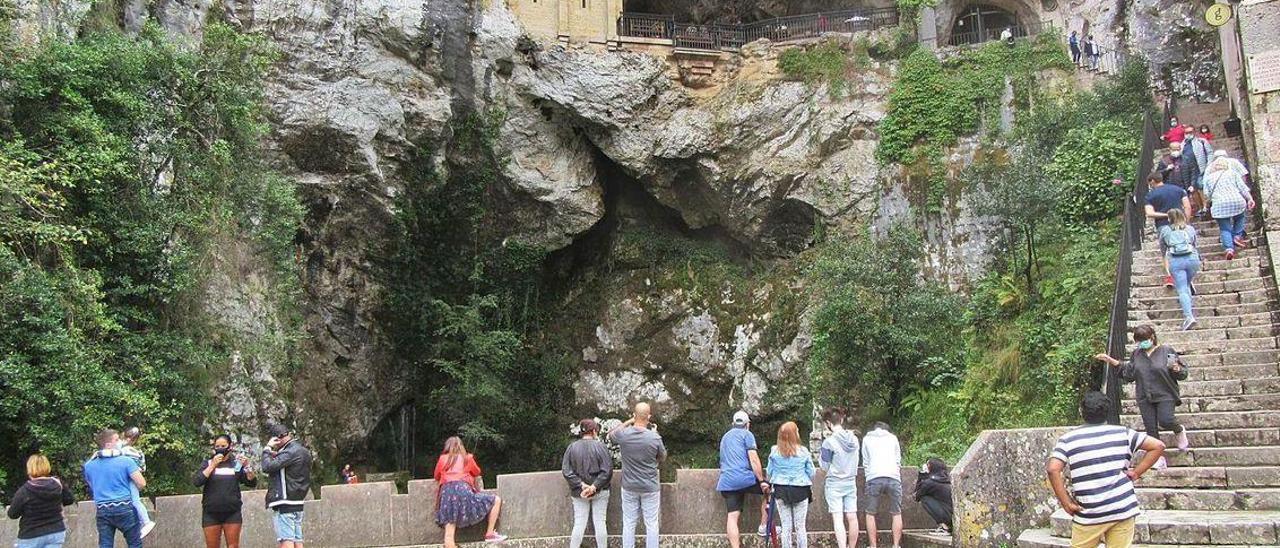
(1228, 387)
(1231, 372)
(1170, 300)
(1179, 338)
(1205, 276)
(1210, 322)
(1043, 538)
(1202, 287)
(1223, 456)
(1209, 361)
(1228, 437)
(1151, 255)
(1215, 346)
(1200, 310)
(1244, 402)
(1218, 500)
(1208, 263)
(1185, 527)
(1207, 246)
(1212, 477)
(1218, 420)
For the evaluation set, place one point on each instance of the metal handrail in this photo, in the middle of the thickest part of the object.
(1130, 242)
(716, 36)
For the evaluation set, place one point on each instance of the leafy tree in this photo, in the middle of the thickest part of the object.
(881, 330)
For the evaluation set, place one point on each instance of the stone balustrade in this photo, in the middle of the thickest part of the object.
(535, 506)
(1000, 488)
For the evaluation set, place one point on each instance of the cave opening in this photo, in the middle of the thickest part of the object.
(980, 22)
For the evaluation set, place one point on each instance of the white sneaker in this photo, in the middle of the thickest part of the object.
(1161, 464)
(147, 527)
(762, 532)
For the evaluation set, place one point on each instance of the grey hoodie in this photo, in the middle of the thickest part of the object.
(839, 455)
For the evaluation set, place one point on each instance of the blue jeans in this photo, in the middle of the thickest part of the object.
(635, 505)
(119, 517)
(1184, 270)
(1231, 227)
(288, 526)
(138, 506)
(51, 540)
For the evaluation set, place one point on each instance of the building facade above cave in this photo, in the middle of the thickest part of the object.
(568, 20)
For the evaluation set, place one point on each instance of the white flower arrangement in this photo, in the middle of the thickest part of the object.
(605, 426)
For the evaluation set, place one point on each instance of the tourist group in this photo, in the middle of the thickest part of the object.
(782, 481)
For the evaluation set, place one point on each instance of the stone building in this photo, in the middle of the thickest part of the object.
(569, 20)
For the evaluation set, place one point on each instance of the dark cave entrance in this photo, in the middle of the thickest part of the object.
(980, 23)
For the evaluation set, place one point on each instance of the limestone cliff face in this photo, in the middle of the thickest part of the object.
(604, 148)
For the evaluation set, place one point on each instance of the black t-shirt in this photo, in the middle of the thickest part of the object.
(1165, 197)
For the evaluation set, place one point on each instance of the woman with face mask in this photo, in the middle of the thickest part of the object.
(1156, 369)
(221, 477)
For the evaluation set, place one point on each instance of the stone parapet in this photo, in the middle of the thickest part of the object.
(535, 506)
(1000, 488)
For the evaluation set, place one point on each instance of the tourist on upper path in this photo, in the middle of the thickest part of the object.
(109, 475)
(1178, 240)
(37, 506)
(1196, 152)
(1073, 42)
(1162, 198)
(349, 475)
(839, 458)
(1205, 133)
(1102, 502)
(741, 474)
(791, 475)
(1088, 50)
(1094, 49)
(1229, 200)
(287, 465)
(588, 468)
(1156, 369)
(882, 463)
(459, 501)
(1176, 132)
(642, 450)
(933, 492)
(219, 479)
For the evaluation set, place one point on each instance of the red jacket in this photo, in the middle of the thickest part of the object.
(1175, 134)
(465, 470)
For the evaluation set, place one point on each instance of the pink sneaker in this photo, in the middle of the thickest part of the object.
(495, 538)
(1183, 442)
(1161, 464)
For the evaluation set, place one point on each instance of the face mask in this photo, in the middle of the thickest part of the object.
(1145, 345)
(221, 450)
(1176, 154)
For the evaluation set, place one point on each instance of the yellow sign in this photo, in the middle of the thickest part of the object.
(1218, 14)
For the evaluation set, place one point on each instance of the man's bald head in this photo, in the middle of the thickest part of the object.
(642, 411)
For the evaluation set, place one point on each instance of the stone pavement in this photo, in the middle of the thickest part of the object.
(910, 539)
(1225, 490)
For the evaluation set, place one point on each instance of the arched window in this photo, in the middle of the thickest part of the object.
(983, 22)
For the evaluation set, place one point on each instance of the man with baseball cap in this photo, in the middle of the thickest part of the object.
(740, 474)
(287, 466)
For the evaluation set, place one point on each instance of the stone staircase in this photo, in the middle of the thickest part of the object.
(1225, 490)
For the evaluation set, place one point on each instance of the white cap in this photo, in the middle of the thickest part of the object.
(1219, 153)
(741, 419)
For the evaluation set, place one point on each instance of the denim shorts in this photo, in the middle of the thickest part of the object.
(51, 540)
(289, 526)
(842, 496)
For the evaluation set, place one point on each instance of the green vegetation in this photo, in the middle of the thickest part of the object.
(825, 62)
(461, 307)
(933, 103)
(1020, 352)
(125, 161)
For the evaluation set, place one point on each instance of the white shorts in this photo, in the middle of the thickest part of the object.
(842, 497)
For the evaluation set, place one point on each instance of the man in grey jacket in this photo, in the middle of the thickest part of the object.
(287, 467)
(882, 462)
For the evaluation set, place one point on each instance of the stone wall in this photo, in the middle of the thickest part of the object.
(535, 505)
(1000, 487)
(1258, 20)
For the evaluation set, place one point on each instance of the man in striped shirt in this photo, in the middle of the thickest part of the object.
(1102, 503)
